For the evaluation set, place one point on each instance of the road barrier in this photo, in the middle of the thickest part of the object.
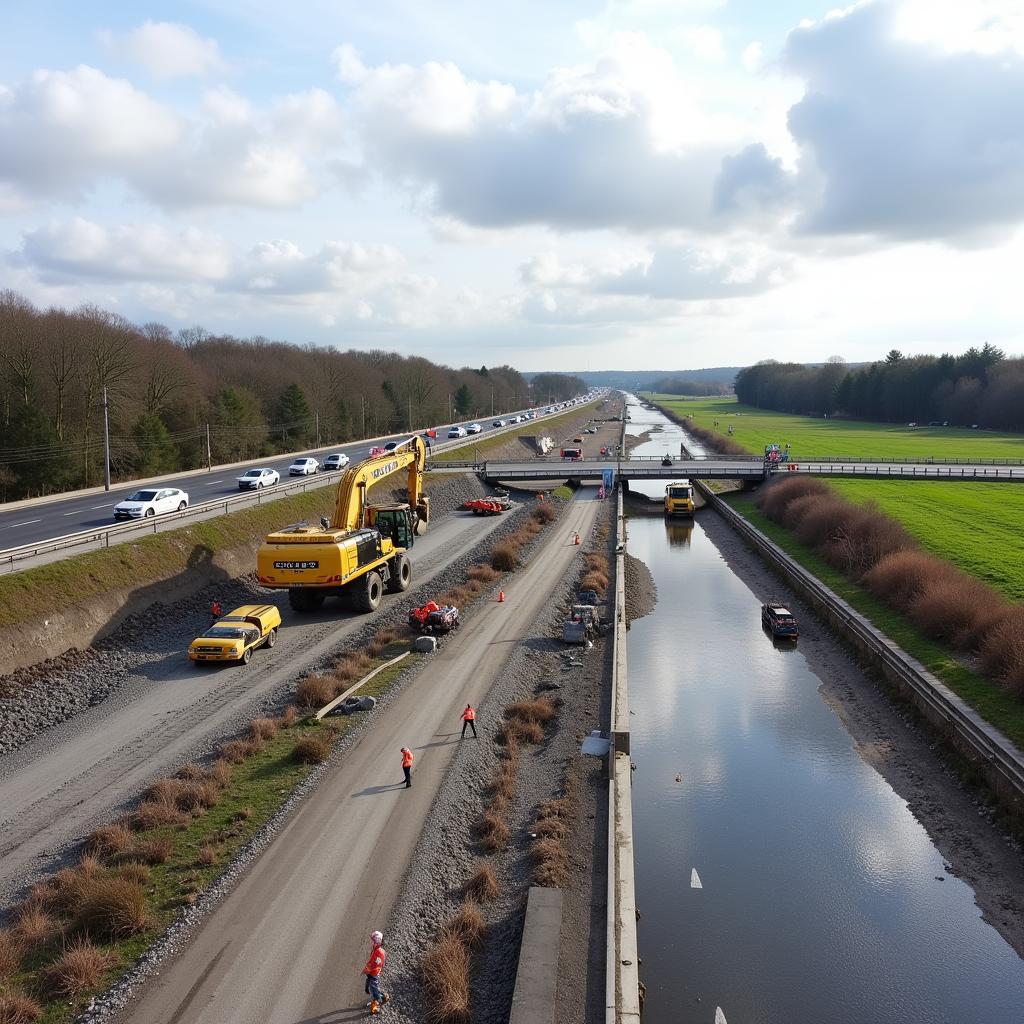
(996, 759)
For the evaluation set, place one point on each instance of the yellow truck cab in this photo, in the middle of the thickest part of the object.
(679, 498)
(234, 636)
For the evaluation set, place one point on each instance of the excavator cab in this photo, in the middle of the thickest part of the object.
(393, 521)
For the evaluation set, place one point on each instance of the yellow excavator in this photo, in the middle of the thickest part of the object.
(359, 552)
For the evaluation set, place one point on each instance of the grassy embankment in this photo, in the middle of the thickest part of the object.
(544, 425)
(974, 526)
(80, 930)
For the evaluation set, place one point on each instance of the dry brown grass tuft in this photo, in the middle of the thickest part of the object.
(540, 709)
(504, 557)
(34, 926)
(62, 893)
(544, 512)
(504, 782)
(134, 871)
(18, 1008)
(156, 813)
(236, 751)
(550, 862)
(482, 885)
(288, 717)
(493, 831)
(110, 840)
(112, 908)
(80, 968)
(445, 971)
(314, 691)
(594, 581)
(191, 772)
(164, 790)
(311, 750)
(481, 573)
(553, 828)
(263, 728)
(10, 954)
(350, 667)
(207, 855)
(557, 808)
(467, 924)
(157, 850)
(219, 773)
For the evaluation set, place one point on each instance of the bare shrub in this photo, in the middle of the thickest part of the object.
(494, 832)
(550, 862)
(544, 513)
(311, 750)
(262, 728)
(594, 581)
(10, 954)
(540, 709)
(288, 717)
(18, 1008)
(482, 885)
(157, 850)
(956, 608)
(445, 971)
(113, 908)
(504, 557)
(191, 772)
(898, 578)
(467, 924)
(482, 573)
(1002, 650)
(207, 855)
(156, 813)
(80, 968)
(314, 691)
(34, 926)
(134, 871)
(110, 840)
(220, 773)
(771, 500)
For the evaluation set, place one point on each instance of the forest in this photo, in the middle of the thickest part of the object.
(979, 388)
(175, 400)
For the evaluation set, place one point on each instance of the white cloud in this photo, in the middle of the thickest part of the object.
(167, 50)
(752, 56)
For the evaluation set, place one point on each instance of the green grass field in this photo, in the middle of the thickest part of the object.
(975, 526)
(820, 438)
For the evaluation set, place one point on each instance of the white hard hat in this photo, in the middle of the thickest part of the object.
(376, 938)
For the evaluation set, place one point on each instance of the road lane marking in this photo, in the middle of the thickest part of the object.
(102, 506)
(695, 882)
(210, 483)
(28, 522)
(75, 513)
(720, 1016)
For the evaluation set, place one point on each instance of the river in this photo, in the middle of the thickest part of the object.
(780, 878)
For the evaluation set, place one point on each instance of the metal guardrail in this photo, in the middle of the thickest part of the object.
(1003, 762)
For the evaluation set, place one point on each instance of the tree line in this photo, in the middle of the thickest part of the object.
(689, 386)
(981, 387)
(176, 401)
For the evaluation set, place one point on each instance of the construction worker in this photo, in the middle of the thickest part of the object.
(468, 718)
(215, 610)
(372, 970)
(407, 760)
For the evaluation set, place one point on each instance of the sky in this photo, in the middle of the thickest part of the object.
(648, 184)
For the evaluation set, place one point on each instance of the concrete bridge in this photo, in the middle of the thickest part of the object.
(750, 468)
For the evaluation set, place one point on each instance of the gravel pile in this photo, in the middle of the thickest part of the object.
(641, 590)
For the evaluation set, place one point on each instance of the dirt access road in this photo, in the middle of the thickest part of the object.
(73, 777)
(288, 944)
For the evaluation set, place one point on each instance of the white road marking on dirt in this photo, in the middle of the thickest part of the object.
(695, 882)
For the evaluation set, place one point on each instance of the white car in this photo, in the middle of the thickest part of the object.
(339, 460)
(498, 423)
(303, 467)
(457, 432)
(254, 479)
(151, 501)
(474, 428)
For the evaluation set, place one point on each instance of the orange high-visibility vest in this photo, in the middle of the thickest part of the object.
(407, 759)
(468, 715)
(376, 962)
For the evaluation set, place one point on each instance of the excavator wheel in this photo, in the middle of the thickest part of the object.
(401, 574)
(369, 592)
(305, 600)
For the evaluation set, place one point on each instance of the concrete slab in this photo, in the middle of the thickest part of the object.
(533, 1001)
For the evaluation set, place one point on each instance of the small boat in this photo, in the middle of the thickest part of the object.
(780, 621)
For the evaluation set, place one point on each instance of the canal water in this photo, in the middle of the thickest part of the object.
(780, 879)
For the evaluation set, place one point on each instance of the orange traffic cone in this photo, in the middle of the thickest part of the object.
(501, 596)
(576, 539)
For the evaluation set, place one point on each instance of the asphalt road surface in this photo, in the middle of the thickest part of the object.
(70, 778)
(288, 944)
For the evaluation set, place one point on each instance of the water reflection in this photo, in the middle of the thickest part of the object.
(678, 534)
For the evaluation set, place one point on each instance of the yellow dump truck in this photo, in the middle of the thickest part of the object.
(359, 552)
(679, 498)
(234, 636)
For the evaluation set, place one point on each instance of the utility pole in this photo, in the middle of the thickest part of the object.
(106, 442)
(318, 428)
(209, 456)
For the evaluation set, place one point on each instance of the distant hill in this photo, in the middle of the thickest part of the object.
(634, 380)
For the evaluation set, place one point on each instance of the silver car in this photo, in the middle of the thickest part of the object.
(151, 501)
(339, 460)
(254, 479)
(303, 467)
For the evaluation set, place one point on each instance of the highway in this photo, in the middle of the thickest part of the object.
(29, 522)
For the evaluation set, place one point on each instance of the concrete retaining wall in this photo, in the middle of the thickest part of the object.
(533, 1001)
